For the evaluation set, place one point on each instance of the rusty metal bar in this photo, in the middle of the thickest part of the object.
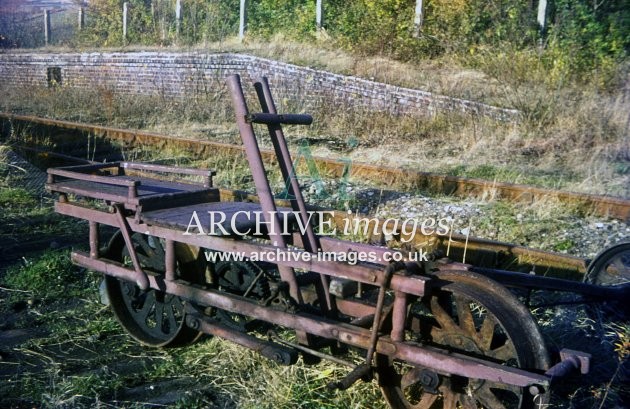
(311, 351)
(399, 316)
(260, 180)
(94, 239)
(511, 278)
(441, 361)
(378, 311)
(167, 169)
(277, 353)
(86, 168)
(170, 261)
(94, 178)
(140, 278)
(309, 240)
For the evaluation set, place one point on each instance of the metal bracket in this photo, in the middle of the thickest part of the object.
(141, 277)
(583, 359)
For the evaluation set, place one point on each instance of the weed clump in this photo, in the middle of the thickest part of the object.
(51, 275)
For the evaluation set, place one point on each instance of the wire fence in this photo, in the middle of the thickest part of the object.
(113, 23)
(30, 30)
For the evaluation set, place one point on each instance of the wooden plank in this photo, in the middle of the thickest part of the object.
(242, 215)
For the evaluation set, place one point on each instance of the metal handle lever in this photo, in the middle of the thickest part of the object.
(276, 119)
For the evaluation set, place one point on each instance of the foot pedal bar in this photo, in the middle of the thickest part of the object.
(363, 371)
(275, 352)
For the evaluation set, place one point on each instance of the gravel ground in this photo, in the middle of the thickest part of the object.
(548, 226)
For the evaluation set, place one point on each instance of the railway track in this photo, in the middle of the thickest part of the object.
(97, 135)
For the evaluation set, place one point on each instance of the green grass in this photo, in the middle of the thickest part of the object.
(15, 200)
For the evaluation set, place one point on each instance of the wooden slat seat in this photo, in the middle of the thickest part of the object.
(243, 214)
(112, 182)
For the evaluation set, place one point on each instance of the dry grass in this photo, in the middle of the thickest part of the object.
(584, 148)
(574, 137)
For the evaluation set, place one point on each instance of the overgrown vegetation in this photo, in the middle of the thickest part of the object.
(569, 82)
(582, 40)
(577, 142)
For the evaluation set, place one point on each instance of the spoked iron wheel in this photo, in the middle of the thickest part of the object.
(469, 314)
(152, 317)
(611, 267)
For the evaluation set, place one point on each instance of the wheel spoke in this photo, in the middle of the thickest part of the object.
(442, 317)
(464, 315)
(486, 333)
(147, 306)
(427, 400)
(437, 334)
(159, 315)
(147, 250)
(467, 402)
(411, 377)
(450, 399)
(144, 260)
(178, 307)
(504, 352)
(170, 315)
(622, 269)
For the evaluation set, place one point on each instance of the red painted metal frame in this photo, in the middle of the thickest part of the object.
(442, 361)
(403, 279)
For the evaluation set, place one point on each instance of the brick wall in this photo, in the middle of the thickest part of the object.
(189, 74)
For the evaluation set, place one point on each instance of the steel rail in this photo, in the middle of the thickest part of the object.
(603, 205)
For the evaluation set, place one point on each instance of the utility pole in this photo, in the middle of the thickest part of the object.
(318, 15)
(178, 16)
(542, 13)
(81, 18)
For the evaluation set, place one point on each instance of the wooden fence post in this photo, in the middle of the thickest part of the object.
(417, 20)
(242, 26)
(47, 33)
(125, 8)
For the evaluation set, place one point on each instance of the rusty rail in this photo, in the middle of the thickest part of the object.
(607, 206)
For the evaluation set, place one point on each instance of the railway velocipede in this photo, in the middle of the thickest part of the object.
(432, 333)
